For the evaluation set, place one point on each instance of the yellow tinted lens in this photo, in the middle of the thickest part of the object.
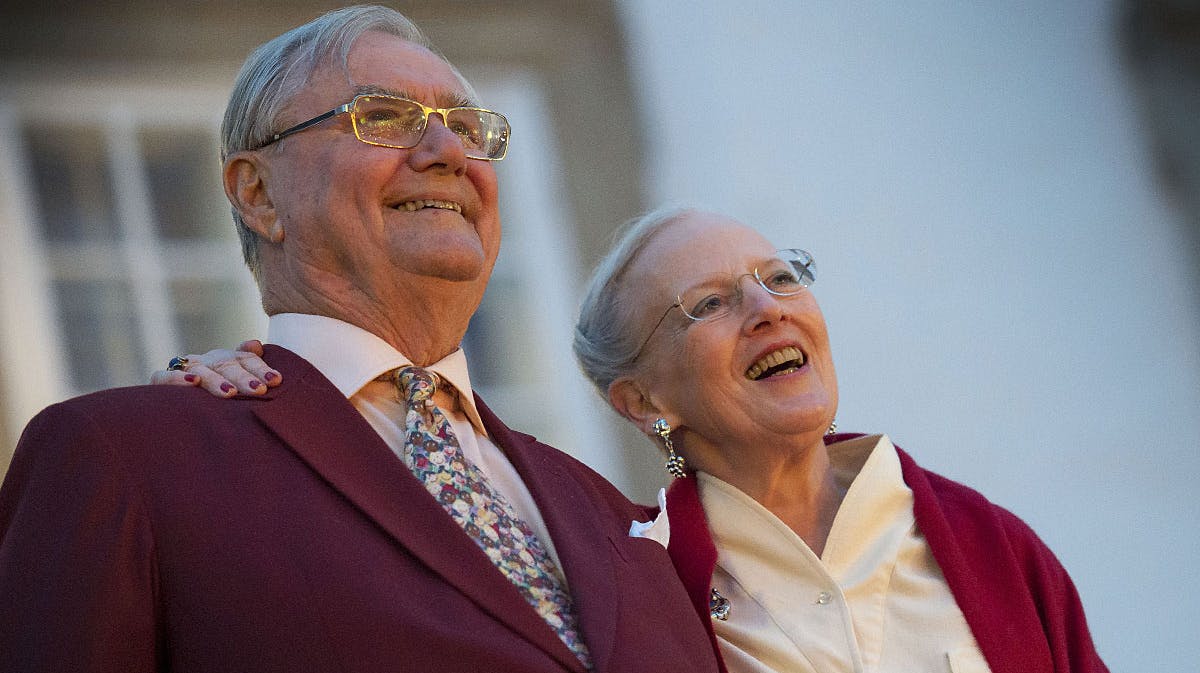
(388, 121)
(484, 134)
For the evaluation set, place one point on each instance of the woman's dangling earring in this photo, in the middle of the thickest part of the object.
(832, 427)
(674, 461)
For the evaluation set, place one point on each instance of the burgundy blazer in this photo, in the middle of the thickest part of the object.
(1017, 598)
(159, 528)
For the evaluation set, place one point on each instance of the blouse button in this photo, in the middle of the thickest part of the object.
(824, 597)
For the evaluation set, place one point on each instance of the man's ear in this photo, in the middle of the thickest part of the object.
(245, 176)
(633, 402)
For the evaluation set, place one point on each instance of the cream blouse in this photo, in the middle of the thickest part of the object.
(875, 602)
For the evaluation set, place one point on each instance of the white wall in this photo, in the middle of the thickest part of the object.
(1006, 291)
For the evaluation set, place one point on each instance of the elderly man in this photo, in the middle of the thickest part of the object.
(371, 515)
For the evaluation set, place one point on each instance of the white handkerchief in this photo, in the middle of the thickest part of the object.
(658, 530)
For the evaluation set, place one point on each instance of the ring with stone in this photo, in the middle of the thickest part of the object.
(179, 363)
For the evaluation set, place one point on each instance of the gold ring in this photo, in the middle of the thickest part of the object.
(179, 363)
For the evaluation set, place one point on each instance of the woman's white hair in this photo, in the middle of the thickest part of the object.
(276, 71)
(606, 345)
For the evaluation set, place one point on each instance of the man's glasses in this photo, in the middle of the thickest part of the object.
(391, 121)
(789, 272)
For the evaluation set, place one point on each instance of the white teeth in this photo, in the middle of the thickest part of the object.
(412, 206)
(774, 359)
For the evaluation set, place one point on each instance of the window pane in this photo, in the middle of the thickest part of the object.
(72, 177)
(209, 314)
(99, 329)
(183, 176)
(480, 344)
(497, 341)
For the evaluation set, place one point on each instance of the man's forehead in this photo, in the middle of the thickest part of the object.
(394, 65)
(444, 99)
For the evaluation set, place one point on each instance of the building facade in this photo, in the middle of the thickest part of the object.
(119, 250)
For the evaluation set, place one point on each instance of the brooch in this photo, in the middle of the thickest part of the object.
(718, 606)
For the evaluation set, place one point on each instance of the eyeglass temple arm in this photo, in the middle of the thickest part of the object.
(312, 122)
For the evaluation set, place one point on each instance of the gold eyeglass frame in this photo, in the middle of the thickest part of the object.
(425, 110)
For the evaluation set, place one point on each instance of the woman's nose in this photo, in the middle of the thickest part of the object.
(759, 305)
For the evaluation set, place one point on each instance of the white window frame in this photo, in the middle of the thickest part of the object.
(542, 389)
(544, 392)
(32, 351)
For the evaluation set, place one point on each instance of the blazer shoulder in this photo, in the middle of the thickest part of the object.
(169, 407)
(137, 423)
(600, 486)
(962, 503)
(154, 406)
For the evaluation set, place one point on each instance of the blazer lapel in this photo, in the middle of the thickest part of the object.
(584, 548)
(313, 419)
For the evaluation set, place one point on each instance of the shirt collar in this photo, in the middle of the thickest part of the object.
(868, 464)
(877, 503)
(351, 357)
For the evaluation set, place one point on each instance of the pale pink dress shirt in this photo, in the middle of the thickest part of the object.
(352, 358)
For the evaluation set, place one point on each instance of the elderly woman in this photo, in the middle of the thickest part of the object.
(809, 550)
(803, 550)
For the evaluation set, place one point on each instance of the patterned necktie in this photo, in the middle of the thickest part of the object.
(435, 457)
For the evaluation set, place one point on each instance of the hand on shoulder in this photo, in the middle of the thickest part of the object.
(222, 372)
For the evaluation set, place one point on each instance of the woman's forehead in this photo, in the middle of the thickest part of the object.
(702, 246)
(691, 250)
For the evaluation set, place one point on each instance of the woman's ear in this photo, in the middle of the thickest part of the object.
(633, 402)
(245, 176)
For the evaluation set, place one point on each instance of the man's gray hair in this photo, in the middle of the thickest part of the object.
(606, 344)
(276, 71)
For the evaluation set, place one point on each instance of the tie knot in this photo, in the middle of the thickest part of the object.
(417, 384)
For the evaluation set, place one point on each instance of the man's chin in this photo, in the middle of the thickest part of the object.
(448, 255)
(456, 274)
(468, 269)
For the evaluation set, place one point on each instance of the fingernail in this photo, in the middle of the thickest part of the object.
(270, 376)
(254, 384)
(226, 388)
(190, 378)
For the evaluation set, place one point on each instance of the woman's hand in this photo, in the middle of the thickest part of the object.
(224, 373)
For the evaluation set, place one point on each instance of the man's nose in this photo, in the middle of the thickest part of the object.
(439, 146)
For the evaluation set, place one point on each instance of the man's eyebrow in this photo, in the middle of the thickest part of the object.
(447, 100)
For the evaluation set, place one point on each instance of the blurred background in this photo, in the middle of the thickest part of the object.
(1004, 203)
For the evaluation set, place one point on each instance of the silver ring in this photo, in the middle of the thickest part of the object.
(179, 363)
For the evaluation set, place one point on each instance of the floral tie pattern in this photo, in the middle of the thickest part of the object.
(435, 457)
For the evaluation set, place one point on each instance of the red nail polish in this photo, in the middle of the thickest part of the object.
(225, 387)
(190, 378)
(254, 384)
(269, 376)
